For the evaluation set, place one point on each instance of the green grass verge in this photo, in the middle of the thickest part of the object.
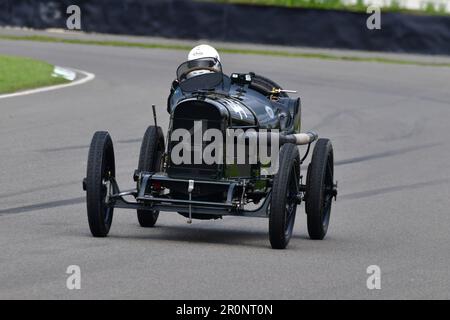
(278, 53)
(17, 73)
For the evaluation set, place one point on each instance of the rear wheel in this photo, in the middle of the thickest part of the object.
(320, 189)
(100, 171)
(265, 85)
(150, 157)
(284, 197)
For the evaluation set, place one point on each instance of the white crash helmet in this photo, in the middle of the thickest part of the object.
(203, 51)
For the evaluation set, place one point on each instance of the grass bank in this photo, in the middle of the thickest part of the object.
(429, 7)
(17, 73)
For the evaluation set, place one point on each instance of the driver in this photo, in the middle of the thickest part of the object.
(203, 52)
(200, 56)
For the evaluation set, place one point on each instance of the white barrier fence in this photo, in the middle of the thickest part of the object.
(439, 5)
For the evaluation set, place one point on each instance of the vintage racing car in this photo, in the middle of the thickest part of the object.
(258, 109)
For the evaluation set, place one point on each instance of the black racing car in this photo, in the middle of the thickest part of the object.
(256, 113)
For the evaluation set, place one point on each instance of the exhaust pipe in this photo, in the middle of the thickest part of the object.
(299, 138)
(295, 138)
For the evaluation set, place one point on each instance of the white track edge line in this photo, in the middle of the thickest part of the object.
(87, 77)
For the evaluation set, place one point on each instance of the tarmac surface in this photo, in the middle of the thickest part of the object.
(390, 129)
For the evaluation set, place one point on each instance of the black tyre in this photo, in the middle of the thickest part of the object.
(319, 189)
(152, 150)
(284, 197)
(100, 170)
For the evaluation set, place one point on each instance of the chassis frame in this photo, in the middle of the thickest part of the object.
(117, 199)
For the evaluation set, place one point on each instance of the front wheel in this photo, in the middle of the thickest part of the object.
(284, 197)
(320, 189)
(150, 158)
(100, 170)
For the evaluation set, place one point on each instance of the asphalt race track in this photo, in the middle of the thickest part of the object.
(390, 129)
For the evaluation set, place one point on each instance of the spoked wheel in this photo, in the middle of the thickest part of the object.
(150, 158)
(100, 170)
(284, 197)
(320, 189)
